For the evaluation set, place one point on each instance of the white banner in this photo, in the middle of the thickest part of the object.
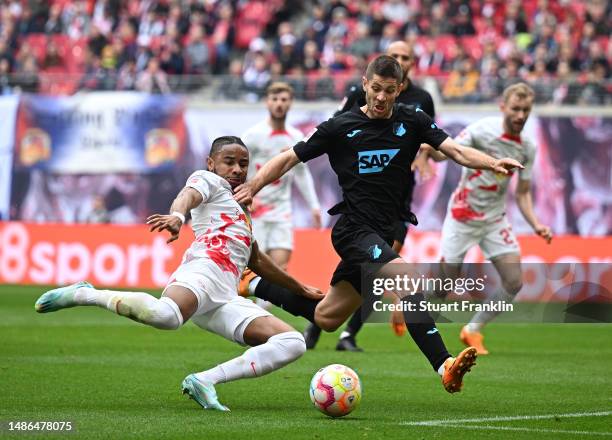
(8, 110)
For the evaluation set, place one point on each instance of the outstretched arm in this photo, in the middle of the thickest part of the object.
(274, 169)
(265, 267)
(472, 158)
(184, 202)
(525, 204)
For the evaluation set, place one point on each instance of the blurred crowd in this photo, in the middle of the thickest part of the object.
(473, 48)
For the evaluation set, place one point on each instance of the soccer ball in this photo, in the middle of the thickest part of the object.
(335, 390)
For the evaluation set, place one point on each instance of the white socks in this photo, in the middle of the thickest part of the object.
(280, 350)
(480, 319)
(160, 313)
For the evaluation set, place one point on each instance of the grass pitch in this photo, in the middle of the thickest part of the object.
(114, 378)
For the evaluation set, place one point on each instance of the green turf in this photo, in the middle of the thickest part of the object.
(114, 378)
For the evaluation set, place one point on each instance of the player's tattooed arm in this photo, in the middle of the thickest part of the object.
(265, 267)
(273, 170)
(187, 199)
(472, 158)
(525, 204)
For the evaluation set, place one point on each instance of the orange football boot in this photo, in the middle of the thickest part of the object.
(473, 339)
(455, 369)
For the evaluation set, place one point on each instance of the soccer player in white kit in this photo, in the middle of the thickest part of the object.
(476, 212)
(271, 209)
(204, 286)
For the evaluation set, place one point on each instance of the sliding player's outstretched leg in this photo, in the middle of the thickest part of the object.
(167, 313)
(60, 298)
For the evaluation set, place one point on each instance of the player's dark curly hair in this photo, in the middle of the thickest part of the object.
(386, 67)
(222, 141)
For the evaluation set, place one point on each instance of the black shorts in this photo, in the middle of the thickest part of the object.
(358, 244)
(400, 232)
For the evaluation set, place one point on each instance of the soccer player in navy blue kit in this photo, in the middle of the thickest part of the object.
(371, 148)
(410, 94)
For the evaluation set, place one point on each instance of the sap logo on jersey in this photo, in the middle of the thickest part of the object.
(374, 161)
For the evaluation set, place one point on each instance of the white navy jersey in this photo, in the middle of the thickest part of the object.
(222, 228)
(273, 202)
(481, 195)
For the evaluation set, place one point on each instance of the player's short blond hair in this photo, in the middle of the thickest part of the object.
(521, 90)
(279, 87)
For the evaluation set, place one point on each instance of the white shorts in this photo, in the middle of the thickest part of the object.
(231, 319)
(494, 239)
(273, 235)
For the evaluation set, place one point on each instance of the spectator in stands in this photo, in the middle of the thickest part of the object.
(541, 82)
(97, 41)
(376, 21)
(439, 24)
(127, 76)
(6, 86)
(223, 37)
(171, 59)
(310, 60)
(389, 35)
(54, 24)
(396, 11)
(232, 84)
(594, 91)
(463, 22)
(27, 75)
(431, 60)
(491, 83)
(53, 59)
(76, 19)
(511, 72)
(363, 45)
(462, 83)
(514, 19)
(256, 77)
(324, 87)
(597, 14)
(197, 53)
(288, 56)
(153, 79)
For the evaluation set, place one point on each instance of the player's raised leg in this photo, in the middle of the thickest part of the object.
(167, 313)
(273, 342)
(509, 268)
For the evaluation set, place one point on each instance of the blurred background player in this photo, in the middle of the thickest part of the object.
(271, 209)
(204, 286)
(476, 212)
(410, 94)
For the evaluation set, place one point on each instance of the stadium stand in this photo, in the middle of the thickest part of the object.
(61, 46)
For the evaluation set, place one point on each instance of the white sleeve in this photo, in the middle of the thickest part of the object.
(202, 182)
(305, 184)
(525, 173)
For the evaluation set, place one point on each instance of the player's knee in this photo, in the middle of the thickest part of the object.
(513, 286)
(166, 315)
(293, 343)
(327, 324)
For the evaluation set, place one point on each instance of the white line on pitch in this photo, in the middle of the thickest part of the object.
(505, 419)
(512, 428)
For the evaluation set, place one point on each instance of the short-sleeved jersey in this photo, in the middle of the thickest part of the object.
(273, 202)
(372, 158)
(222, 228)
(481, 195)
(412, 95)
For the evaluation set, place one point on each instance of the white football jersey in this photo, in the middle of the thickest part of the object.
(222, 229)
(481, 195)
(273, 202)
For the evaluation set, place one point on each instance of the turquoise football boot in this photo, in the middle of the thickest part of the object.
(60, 298)
(202, 392)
